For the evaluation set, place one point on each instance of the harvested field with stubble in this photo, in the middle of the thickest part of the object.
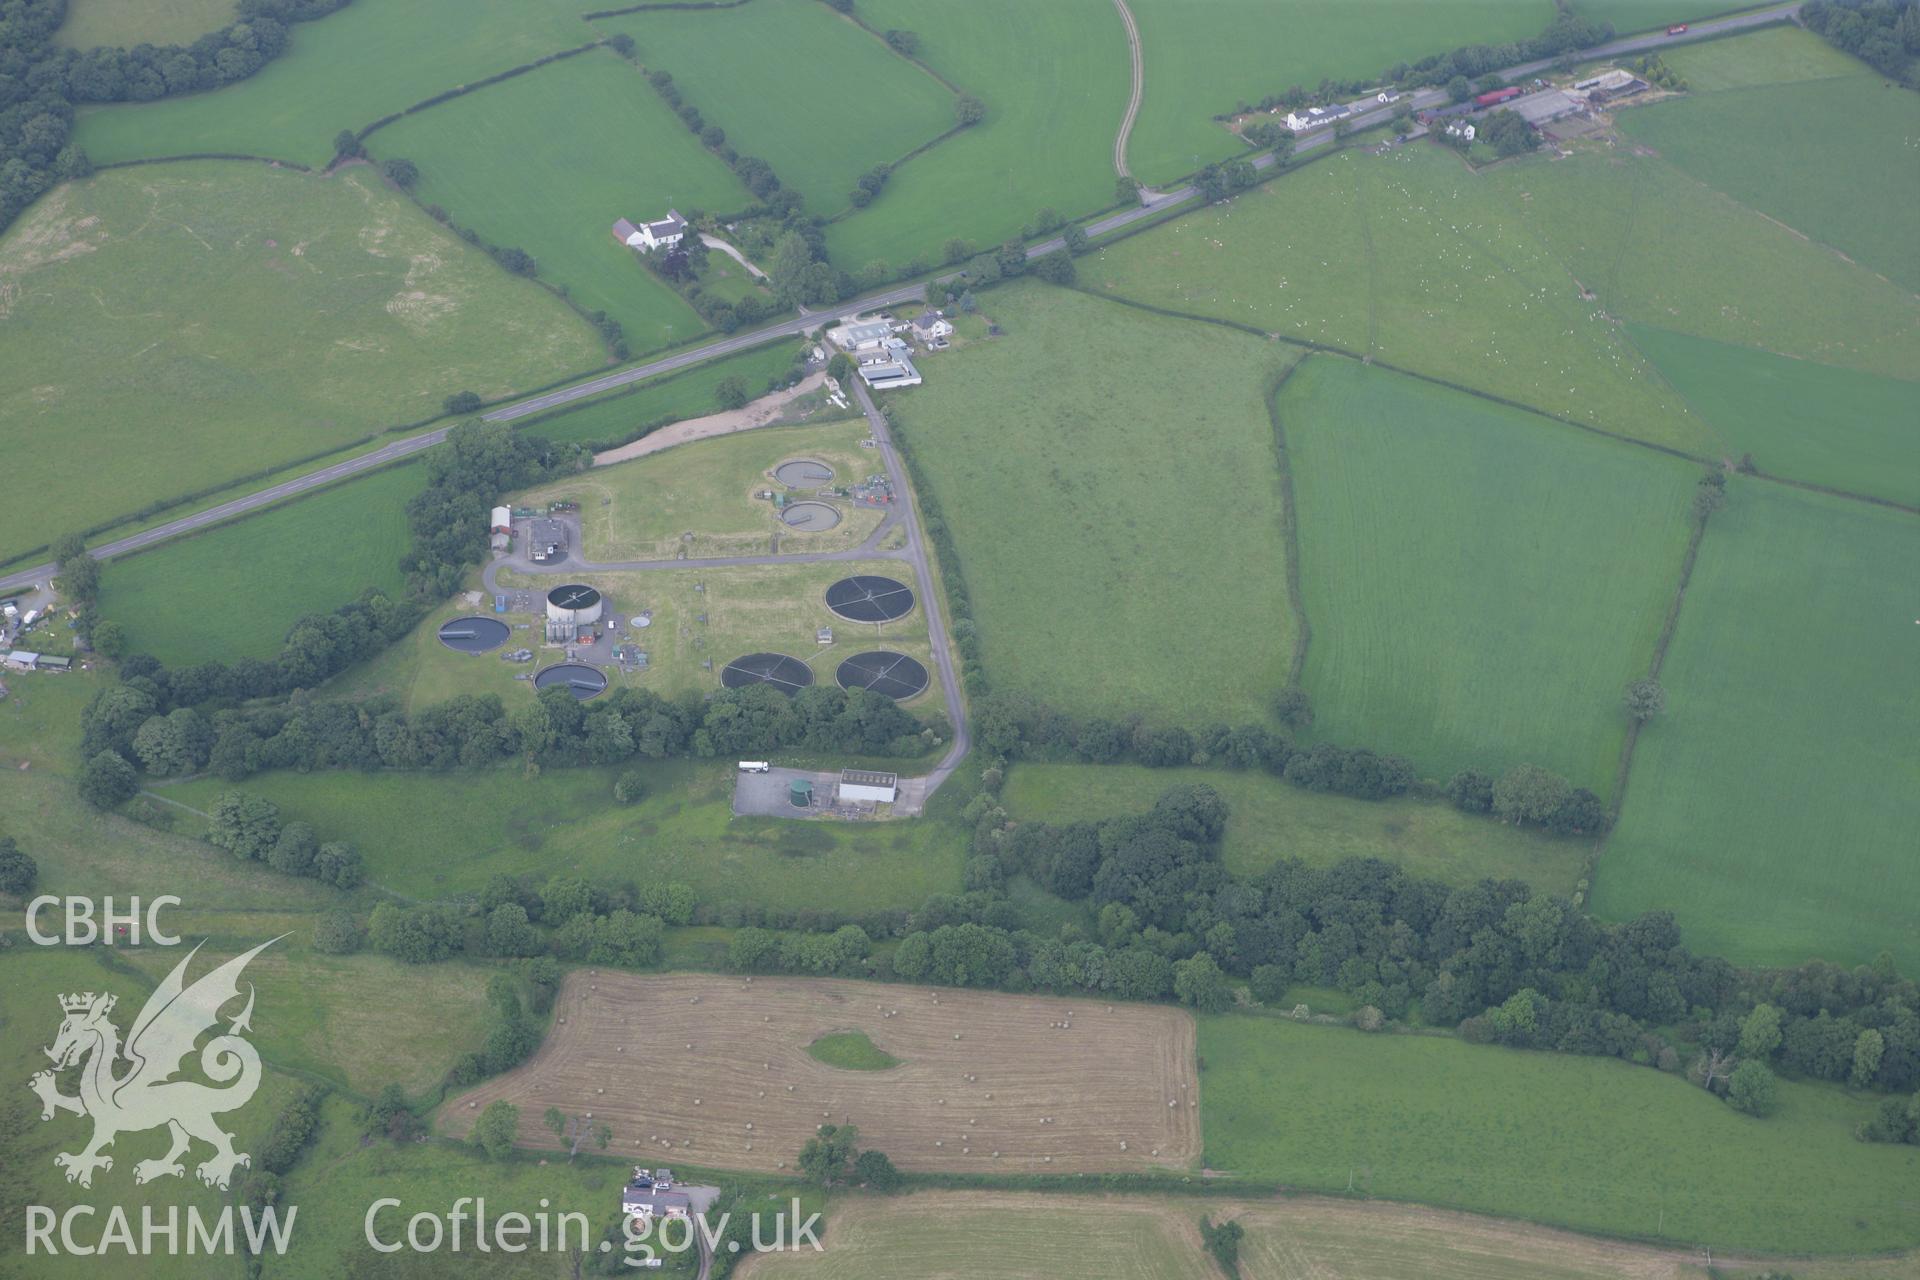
(689, 1062)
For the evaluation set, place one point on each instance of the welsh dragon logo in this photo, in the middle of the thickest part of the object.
(143, 1094)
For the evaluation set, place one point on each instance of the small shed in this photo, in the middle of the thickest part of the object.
(865, 786)
(19, 660)
(800, 793)
(503, 520)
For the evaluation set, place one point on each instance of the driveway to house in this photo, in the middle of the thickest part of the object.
(715, 242)
(1154, 204)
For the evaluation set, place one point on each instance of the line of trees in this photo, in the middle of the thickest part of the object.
(477, 731)
(1501, 961)
(565, 920)
(41, 82)
(1567, 33)
(19, 873)
(249, 827)
(1884, 34)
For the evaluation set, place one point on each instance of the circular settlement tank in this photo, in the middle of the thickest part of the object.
(577, 678)
(473, 635)
(575, 602)
(810, 517)
(803, 473)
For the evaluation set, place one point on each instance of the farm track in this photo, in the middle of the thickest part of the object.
(809, 321)
(1133, 101)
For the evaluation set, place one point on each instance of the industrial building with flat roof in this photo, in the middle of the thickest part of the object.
(866, 786)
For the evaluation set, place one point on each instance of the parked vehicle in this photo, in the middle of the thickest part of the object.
(754, 766)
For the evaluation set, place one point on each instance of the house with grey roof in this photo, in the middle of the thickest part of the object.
(648, 236)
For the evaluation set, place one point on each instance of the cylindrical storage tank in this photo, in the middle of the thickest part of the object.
(575, 603)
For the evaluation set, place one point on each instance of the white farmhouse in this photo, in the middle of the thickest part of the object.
(648, 236)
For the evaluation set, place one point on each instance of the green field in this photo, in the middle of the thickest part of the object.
(1054, 80)
(1111, 481)
(1002, 1235)
(434, 835)
(129, 22)
(851, 1051)
(1270, 819)
(1204, 59)
(333, 1017)
(548, 160)
(1832, 427)
(369, 60)
(325, 549)
(1413, 260)
(1832, 158)
(1772, 809)
(1770, 55)
(645, 509)
(1591, 1143)
(1629, 16)
(1481, 585)
(614, 419)
(799, 86)
(173, 329)
(31, 981)
(1662, 249)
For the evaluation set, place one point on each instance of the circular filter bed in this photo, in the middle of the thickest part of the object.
(803, 473)
(575, 597)
(473, 635)
(893, 675)
(866, 598)
(577, 678)
(788, 675)
(810, 517)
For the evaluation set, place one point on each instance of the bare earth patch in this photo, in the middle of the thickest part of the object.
(759, 413)
(717, 1067)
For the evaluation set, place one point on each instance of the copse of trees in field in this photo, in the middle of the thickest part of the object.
(41, 82)
(1884, 34)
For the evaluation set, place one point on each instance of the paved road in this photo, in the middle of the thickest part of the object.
(794, 325)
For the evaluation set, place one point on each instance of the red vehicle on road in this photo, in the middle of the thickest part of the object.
(1678, 30)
